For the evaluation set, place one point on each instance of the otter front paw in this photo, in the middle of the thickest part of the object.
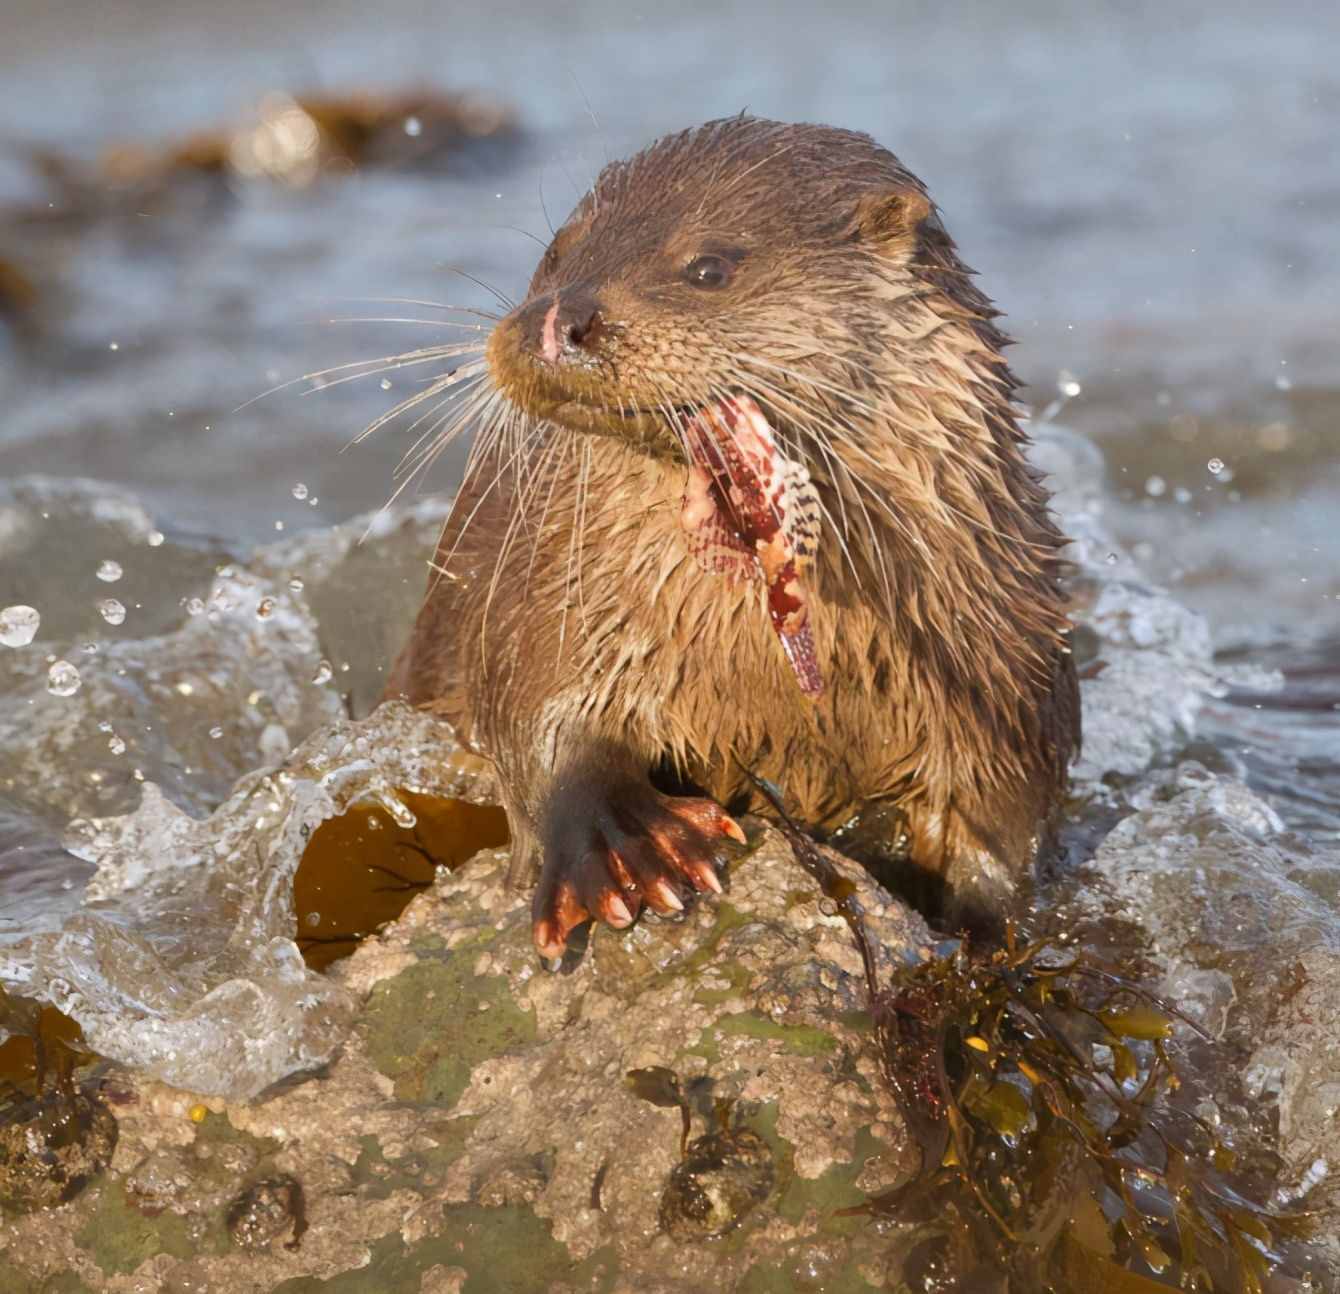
(609, 850)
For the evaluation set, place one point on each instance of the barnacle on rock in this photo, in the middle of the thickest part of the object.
(721, 1177)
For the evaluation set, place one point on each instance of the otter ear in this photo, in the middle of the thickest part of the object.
(892, 221)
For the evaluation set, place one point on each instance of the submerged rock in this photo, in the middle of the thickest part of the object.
(720, 1179)
(51, 1148)
(267, 1212)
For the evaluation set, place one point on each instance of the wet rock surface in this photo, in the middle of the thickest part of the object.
(51, 1148)
(268, 1212)
(477, 1132)
(721, 1177)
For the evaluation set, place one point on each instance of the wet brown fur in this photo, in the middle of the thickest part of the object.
(568, 631)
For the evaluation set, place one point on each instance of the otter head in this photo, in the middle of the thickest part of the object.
(741, 257)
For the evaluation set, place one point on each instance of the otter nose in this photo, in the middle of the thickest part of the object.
(570, 323)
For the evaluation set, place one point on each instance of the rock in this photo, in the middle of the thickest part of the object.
(721, 1177)
(52, 1148)
(266, 1212)
(477, 1125)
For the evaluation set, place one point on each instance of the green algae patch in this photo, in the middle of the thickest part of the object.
(832, 1190)
(835, 1189)
(118, 1237)
(430, 1026)
(504, 1251)
(629, 970)
(797, 1039)
(378, 1177)
(737, 986)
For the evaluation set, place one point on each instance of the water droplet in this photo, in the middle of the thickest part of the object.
(1112, 559)
(413, 127)
(112, 611)
(1182, 494)
(113, 345)
(401, 814)
(265, 608)
(279, 525)
(1068, 384)
(109, 571)
(216, 732)
(313, 919)
(323, 672)
(1216, 465)
(314, 500)
(18, 625)
(300, 491)
(185, 688)
(63, 679)
(1155, 486)
(154, 538)
(386, 384)
(295, 585)
(1283, 383)
(194, 606)
(116, 745)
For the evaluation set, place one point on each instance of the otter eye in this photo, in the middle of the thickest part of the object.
(709, 271)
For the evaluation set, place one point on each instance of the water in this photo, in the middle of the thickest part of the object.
(1152, 193)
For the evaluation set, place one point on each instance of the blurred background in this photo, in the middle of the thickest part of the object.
(190, 194)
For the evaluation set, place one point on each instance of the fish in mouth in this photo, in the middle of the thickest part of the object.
(750, 512)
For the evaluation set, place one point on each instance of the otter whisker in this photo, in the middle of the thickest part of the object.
(887, 469)
(437, 387)
(501, 297)
(462, 405)
(426, 304)
(408, 319)
(516, 523)
(372, 368)
(378, 367)
(484, 446)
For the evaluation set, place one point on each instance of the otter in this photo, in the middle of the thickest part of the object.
(749, 497)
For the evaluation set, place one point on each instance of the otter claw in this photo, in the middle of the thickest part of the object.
(625, 849)
(667, 898)
(616, 912)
